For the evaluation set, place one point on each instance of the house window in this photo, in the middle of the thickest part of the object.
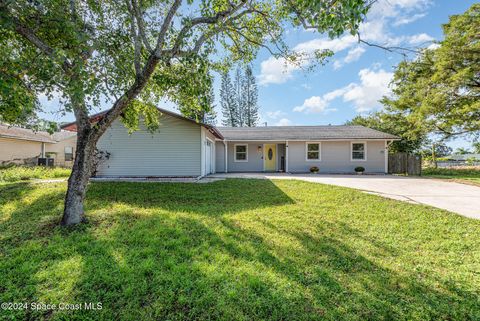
(241, 153)
(313, 151)
(68, 153)
(358, 151)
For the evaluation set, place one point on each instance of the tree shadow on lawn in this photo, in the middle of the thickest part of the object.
(202, 265)
(217, 198)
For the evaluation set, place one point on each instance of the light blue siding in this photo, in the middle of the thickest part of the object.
(174, 150)
(336, 158)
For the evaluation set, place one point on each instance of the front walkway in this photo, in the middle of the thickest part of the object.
(459, 198)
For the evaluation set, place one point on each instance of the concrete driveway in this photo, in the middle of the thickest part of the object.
(458, 198)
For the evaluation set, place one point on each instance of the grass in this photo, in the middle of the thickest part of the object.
(469, 175)
(236, 250)
(25, 173)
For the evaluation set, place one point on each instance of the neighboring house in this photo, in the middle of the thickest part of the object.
(459, 160)
(24, 146)
(183, 148)
(462, 157)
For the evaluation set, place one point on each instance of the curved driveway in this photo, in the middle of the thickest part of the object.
(455, 197)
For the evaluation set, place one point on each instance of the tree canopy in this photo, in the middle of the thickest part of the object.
(411, 138)
(439, 90)
(96, 51)
(130, 54)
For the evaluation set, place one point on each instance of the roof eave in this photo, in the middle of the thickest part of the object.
(28, 139)
(308, 139)
(72, 126)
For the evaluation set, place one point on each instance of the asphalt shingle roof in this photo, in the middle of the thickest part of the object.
(59, 136)
(302, 133)
(28, 134)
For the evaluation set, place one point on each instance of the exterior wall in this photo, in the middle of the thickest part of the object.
(19, 151)
(206, 135)
(254, 163)
(219, 157)
(336, 157)
(255, 157)
(173, 150)
(59, 150)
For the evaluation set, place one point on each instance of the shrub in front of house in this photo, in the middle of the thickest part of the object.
(314, 169)
(359, 169)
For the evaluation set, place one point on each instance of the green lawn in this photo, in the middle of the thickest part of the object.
(461, 175)
(236, 250)
(25, 173)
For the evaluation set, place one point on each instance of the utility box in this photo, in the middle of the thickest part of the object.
(43, 161)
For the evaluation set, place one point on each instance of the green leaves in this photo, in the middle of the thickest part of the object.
(91, 52)
(439, 91)
(412, 136)
(141, 110)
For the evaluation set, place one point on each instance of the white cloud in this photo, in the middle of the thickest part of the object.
(352, 55)
(335, 45)
(314, 104)
(283, 122)
(373, 86)
(275, 114)
(276, 71)
(420, 38)
(395, 8)
(306, 86)
(364, 95)
(377, 30)
(334, 94)
(317, 104)
(404, 20)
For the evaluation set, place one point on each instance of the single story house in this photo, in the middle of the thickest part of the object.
(184, 148)
(24, 146)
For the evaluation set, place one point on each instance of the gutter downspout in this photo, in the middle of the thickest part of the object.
(387, 145)
(226, 155)
(286, 156)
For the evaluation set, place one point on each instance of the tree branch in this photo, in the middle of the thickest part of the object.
(137, 10)
(152, 61)
(30, 35)
(166, 24)
(388, 48)
(204, 20)
(136, 39)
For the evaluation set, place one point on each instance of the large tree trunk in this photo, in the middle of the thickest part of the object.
(73, 212)
(87, 137)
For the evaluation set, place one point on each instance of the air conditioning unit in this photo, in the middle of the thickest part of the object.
(43, 161)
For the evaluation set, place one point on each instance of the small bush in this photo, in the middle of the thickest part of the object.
(314, 169)
(359, 169)
(25, 173)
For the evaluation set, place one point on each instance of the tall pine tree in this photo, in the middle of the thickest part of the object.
(249, 97)
(228, 102)
(239, 100)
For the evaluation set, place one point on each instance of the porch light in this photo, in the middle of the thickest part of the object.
(259, 148)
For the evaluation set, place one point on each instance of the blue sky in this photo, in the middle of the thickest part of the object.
(355, 77)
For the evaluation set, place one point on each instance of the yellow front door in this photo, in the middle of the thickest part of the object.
(270, 156)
